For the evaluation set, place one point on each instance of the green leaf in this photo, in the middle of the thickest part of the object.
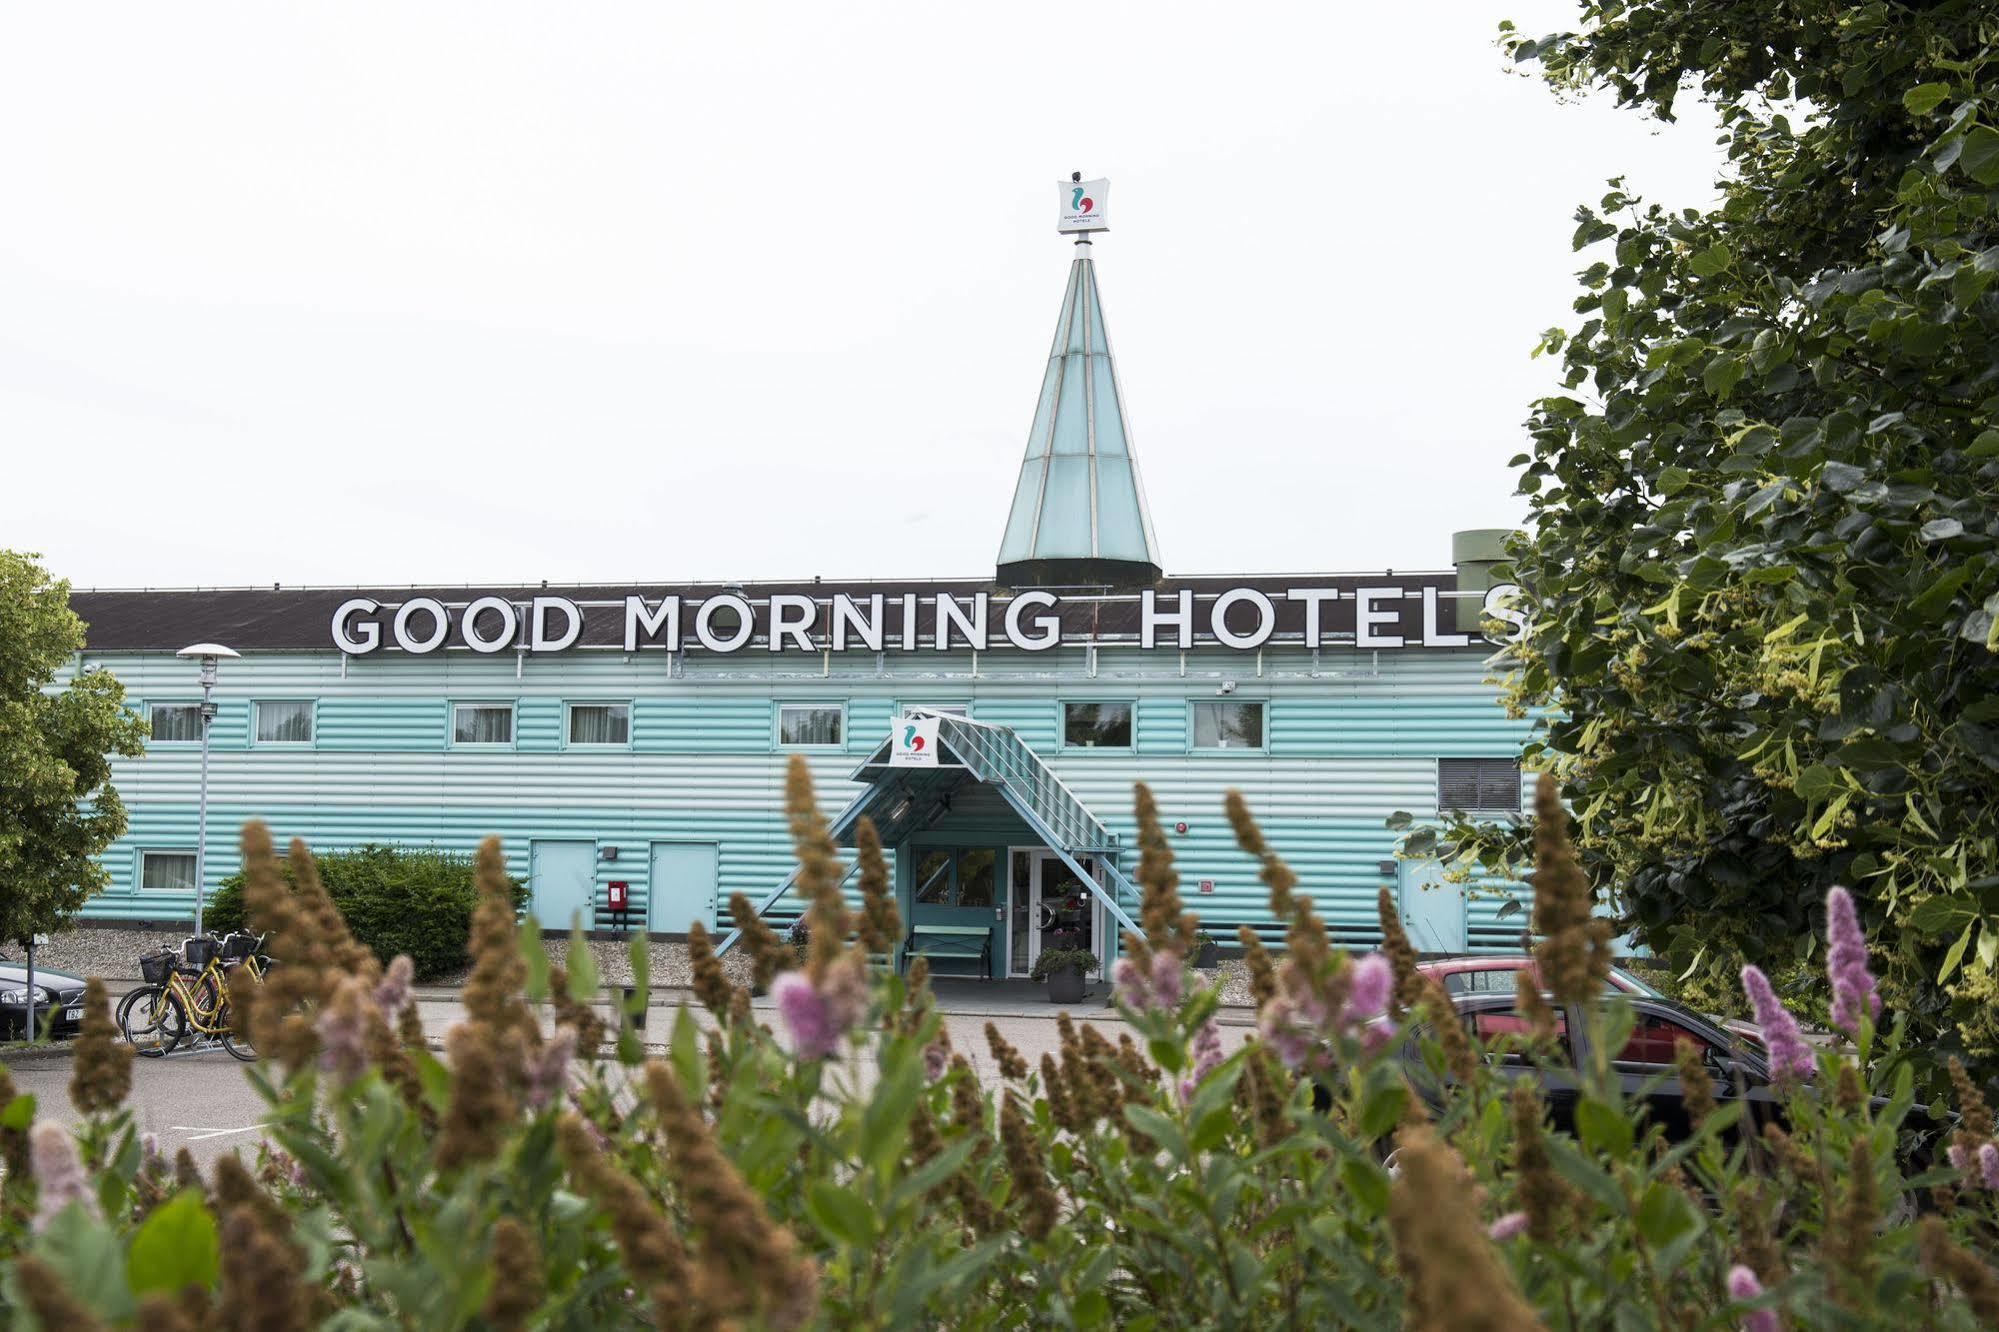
(1382, 1110)
(581, 963)
(1942, 529)
(1722, 375)
(88, 1255)
(1673, 480)
(1839, 477)
(842, 1215)
(1956, 953)
(1603, 1127)
(20, 1112)
(1367, 1182)
(535, 958)
(1159, 1128)
(1710, 261)
(1924, 98)
(175, 1247)
(1936, 914)
(1664, 1214)
(1986, 445)
(1980, 157)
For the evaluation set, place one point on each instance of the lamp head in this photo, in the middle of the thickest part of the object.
(207, 650)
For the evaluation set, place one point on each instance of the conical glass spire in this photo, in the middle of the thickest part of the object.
(1079, 515)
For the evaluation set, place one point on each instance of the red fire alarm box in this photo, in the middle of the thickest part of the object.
(619, 890)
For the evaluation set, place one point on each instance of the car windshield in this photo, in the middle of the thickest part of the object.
(1639, 985)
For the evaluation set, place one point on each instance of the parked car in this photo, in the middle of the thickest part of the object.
(56, 992)
(1647, 1065)
(1497, 974)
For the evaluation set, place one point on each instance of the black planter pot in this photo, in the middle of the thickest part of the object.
(1208, 957)
(1065, 986)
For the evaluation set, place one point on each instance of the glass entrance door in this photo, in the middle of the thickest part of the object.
(1049, 907)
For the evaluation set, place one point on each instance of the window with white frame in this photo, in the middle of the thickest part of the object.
(482, 723)
(600, 723)
(166, 871)
(1096, 726)
(1228, 723)
(1478, 785)
(805, 724)
(284, 722)
(174, 723)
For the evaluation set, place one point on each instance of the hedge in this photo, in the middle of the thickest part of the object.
(397, 899)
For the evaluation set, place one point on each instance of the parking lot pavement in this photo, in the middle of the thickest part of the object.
(203, 1102)
(200, 1101)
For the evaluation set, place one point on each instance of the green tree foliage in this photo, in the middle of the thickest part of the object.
(396, 899)
(58, 809)
(1763, 569)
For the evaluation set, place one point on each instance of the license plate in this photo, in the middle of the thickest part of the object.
(76, 1013)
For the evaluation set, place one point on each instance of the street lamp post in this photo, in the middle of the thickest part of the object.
(211, 655)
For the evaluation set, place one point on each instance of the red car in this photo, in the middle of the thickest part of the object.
(1499, 974)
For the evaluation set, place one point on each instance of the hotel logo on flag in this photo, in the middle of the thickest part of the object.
(913, 743)
(1084, 206)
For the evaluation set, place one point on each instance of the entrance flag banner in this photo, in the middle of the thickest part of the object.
(1084, 206)
(913, 743)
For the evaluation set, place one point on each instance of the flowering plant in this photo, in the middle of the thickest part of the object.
(1355, 1160)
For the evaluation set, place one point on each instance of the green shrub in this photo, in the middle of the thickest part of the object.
(414, 900)
(851, 1172)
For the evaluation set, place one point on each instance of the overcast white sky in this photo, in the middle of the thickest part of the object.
(353, 293)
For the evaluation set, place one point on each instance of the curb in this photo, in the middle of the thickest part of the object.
(50, 1053)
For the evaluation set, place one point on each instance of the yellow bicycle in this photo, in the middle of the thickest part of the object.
(186, 996)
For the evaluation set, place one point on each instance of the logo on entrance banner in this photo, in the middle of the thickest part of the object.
(913, 743)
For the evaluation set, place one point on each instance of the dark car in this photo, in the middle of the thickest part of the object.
(1647, 1065)
(56, 992)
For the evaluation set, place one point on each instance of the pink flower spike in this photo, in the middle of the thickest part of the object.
(58, 1172)
(1988, 1166)
(1789, 1055)
(1958, 1156)
(1373, 981)
(1853, 990)
(1166, 977)
(806, 1014)
(1743, 1286)
(1507, 1226)
(1130, 984)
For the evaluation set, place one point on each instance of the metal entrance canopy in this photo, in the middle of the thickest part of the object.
(904, 801)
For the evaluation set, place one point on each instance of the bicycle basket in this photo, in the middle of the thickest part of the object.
(200, 952)
(237, 946)
(153, 967)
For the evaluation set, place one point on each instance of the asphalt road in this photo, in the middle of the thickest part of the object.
(203, 1102)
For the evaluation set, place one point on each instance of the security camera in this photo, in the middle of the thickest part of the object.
(1228, 687)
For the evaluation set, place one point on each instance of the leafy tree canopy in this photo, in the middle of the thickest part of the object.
(1762, 564)
(58, 809)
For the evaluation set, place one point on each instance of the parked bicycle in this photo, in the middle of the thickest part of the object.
(185, 997)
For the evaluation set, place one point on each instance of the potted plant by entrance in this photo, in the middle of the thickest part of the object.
(1207, 954)
(1064, 969)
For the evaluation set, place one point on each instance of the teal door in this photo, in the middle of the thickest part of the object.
(682, 887)
(959, 887)
(562, 876)
(1433, 909)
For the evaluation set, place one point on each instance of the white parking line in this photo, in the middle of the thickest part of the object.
(201, 1133)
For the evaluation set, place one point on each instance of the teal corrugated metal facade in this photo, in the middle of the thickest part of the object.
(1351, 735)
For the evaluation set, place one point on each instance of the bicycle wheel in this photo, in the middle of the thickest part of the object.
(152, 1020)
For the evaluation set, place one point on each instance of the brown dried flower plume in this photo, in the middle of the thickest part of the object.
(1573, 956)
(102, 1075)
(1452, 1279)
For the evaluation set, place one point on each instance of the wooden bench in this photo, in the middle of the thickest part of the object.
(965, 944)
